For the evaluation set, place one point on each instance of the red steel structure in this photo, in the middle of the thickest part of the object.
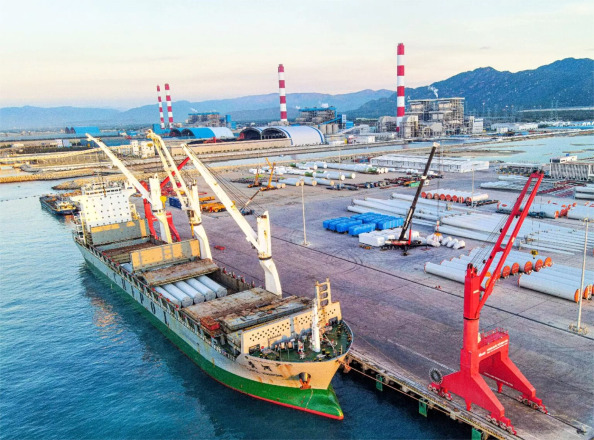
(399, 86)
(169, 109)
(281, 92)
(487, 353)
(160, 107)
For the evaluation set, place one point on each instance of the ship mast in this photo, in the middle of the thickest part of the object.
(192, 206)
(261, 240)
(154, 196)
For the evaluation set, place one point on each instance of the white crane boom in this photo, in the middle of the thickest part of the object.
(260, 240)
(153, 197)
(194, 213)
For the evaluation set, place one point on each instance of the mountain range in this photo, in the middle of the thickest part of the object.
(564, 83)
(246, 108)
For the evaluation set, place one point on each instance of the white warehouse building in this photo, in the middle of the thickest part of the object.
(449, 165)
(299, 135)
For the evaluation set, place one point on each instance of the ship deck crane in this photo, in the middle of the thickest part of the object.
(153, 196)
(191, 201)
(402, 241)
(261, 240)
(487, 353)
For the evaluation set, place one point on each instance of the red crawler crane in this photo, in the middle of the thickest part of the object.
(487, 353)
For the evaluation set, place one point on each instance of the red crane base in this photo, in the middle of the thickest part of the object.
(490, 359)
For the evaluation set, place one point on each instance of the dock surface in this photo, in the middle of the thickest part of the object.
(408, 322)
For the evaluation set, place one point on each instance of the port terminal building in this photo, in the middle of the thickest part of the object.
(570, 168)
(448, 165)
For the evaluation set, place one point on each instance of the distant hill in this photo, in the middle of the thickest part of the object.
(568, 83)
(246, 108)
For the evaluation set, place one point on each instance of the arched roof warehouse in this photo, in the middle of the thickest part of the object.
(251, 133)
(299, 135)
(207, 132)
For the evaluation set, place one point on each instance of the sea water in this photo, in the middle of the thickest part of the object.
(79, 361)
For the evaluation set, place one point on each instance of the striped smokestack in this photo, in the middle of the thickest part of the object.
(160, 107)
(400, 86)
(282, 95)
(169, 110)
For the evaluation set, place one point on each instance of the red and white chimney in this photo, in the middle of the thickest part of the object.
(160, 107)
(169, 110)
(282, 95)
(400, 86)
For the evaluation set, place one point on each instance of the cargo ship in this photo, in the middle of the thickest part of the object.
(58, 204)
(280, 349)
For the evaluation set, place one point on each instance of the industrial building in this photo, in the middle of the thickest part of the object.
(218, 133)
(325, 118)
(433, 113)
(449, 165)
(513, 127)
(570, 168)
(209, 119)
(299, 135)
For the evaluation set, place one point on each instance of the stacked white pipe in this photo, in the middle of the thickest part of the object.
(293, 182)
(533, 234)
(561, 281)
(584, 192)
(548, 210)
(449, 271)
(453, 195)
(581, 212)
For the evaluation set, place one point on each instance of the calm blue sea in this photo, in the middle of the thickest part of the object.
(79, 361)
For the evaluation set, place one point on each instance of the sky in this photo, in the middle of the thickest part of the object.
(113, 53)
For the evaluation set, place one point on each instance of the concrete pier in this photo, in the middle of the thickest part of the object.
(407, 322)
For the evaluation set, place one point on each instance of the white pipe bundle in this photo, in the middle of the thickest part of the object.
(208, 293)
(575, 282)
(172, 299)
(546, 286)
(196, 296)
(580, 213)
(305, 166)
(278, 185)
(329, 175)
(324, 181)
(450, 272)
(309, 181)
(588, 189)
(293, 182)
(213, 285)
(573, 271)
(361, 168)
(549, 210)
(321, 164)
(584, 196)
(298, 172)
(180, 295)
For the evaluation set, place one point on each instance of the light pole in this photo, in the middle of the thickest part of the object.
(305, 243)
(577, 328)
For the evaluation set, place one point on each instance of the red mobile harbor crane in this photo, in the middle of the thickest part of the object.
(487, 353)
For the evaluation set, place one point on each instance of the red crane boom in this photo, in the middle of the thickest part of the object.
(487, 353)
